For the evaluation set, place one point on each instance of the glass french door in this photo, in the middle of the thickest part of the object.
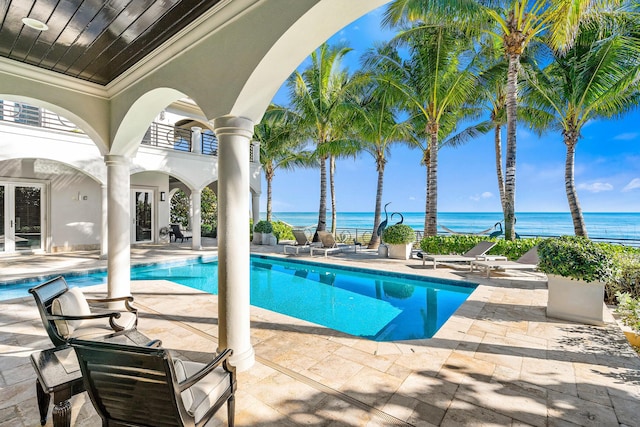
(21, 216)
(142, 213)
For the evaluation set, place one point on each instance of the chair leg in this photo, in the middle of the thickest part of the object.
(231, 405)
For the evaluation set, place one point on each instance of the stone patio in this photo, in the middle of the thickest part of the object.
(498, 361)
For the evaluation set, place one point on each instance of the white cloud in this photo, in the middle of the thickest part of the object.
(485, 195)
(596, 187)
(628, 136)
(412, 198)
(632, 185)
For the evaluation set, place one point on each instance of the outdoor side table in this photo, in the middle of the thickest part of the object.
(58, 374)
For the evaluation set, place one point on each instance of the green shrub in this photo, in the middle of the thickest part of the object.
(628, 281)
(459, 244)
(263, 227)
(398, 234)
(577, 258)
(205, 229)
(629, 311)
(282, 231)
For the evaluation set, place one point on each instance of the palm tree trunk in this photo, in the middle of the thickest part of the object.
(332, 183)
(322, 210)
(425, 160)
(498, 148)
(269, 178)
(510, 173)
(375, 239)
(572, 196)
(432, 187)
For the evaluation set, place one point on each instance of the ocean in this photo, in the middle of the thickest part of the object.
(607, 226)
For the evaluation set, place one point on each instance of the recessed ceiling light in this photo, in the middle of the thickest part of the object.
(35, 24)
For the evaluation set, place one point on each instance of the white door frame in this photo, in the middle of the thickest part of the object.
(134, 219)
(9, 214)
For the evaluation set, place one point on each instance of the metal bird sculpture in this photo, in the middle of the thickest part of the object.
(384, 223)
(498, 232)
(401, 217)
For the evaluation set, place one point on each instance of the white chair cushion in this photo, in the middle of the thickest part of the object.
(201, 396)
(71, 303)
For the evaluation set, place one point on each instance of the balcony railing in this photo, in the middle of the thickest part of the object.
(158, 135)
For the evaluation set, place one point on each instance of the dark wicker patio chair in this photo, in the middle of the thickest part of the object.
(142, 386)
(179, 234)
(67, 314)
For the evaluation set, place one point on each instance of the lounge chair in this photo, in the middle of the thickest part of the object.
(180, 234)
(528, 261)
(472, 254)
(302, 243)
(329, 244)
(144, 386)
(67, 314)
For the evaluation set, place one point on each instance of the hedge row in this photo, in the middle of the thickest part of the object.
(626, 258)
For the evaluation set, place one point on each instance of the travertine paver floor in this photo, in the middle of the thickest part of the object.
(498, 361)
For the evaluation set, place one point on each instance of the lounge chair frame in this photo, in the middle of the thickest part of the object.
(528, 261)
(477, 252)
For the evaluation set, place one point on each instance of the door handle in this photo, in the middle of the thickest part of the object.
(11, 226)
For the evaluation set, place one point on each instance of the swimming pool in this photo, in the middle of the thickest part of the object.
(372, 304)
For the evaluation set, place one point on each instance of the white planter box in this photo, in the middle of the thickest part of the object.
(269, 239)
(257, 238)
(400, 251)
(575, 300)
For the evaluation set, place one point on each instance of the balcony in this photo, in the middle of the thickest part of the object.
(159, 135)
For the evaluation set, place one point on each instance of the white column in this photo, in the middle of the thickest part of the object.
(104, 238)
(255, 207)
(234, 136)
(119, 227)
(196, 219)
(196, 140)
(256, 152)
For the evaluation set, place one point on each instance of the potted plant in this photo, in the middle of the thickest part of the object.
(262, 233)
(399, 238)
(577, 270)
(163, 234)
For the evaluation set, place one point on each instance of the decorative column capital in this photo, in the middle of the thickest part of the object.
(232, 125)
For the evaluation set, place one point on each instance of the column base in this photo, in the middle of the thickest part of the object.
(243, 361)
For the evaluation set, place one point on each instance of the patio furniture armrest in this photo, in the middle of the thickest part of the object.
(154, 343)
(127, 302)
(104, 315)
(220, 359)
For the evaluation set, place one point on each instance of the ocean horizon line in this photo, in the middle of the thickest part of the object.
(603, 225)
(457, 212)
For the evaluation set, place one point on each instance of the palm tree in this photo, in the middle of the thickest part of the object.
(279, 147)
(517, 22)
(378, 127)
(597, 78)
(318, 97)
(435, 82)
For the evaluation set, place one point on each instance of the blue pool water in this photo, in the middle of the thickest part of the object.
(376, 305)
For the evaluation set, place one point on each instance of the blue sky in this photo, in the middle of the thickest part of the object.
(607, 165)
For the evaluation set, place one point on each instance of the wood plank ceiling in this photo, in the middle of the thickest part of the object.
(93, 40)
